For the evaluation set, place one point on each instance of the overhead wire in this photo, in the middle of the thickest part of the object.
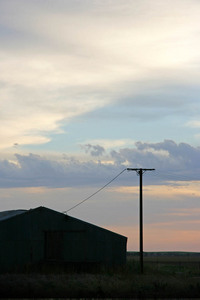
(170, 174)
(103, 187)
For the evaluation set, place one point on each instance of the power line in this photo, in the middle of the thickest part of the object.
(95, 192)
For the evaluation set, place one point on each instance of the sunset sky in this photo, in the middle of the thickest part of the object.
(91, 87)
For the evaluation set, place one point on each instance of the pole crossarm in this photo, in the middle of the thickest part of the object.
(139, 169)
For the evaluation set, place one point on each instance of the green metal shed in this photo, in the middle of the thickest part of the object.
(44, 235)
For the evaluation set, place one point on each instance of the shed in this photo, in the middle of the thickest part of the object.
(43, 235)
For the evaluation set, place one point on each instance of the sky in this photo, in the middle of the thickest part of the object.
(91, 88)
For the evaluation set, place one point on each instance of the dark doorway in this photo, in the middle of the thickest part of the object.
(54, 245)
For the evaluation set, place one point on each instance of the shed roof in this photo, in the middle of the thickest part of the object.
(11, 213)
(5, 215)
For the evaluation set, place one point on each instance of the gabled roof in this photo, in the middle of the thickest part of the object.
(5, 215)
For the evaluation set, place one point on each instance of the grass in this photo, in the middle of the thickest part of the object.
(161, 279)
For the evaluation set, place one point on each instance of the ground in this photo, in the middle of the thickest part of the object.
(165, 276)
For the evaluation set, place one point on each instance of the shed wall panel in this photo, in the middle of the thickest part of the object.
(43, 234)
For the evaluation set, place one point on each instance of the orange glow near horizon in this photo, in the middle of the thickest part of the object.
(177, 229)
(161, 239)
(181, 188)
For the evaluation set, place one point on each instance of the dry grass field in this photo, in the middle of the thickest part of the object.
(164, 277)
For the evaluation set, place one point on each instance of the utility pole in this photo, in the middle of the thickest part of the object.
(140, 172)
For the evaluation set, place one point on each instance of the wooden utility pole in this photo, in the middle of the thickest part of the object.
(140, 172)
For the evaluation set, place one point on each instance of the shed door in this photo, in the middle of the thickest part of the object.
(54, 245)
(75, 246)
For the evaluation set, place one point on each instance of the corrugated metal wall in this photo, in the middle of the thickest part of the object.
(43, 234)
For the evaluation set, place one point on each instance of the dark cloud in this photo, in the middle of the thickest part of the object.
(173, 163)
(94, 150)
(34, 170)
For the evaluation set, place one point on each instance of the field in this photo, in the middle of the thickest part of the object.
(166, 275)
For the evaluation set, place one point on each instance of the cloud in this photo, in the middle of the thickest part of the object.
(166, 155)
(174, 163)
(94, 150)
(59, 61)
(108, 144)
(193, 124)
(34, 171)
